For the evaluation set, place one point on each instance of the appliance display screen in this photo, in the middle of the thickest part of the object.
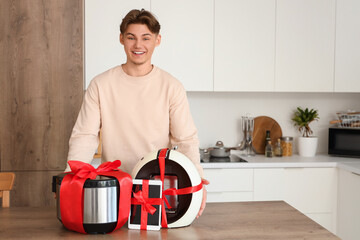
(347, 142)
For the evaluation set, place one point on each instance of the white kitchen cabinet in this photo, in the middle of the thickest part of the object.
(347, 55)
(102, 30)
(348, 216)
(229, 185)
(305, 41)
(244, 48)
(326, 220)
(312, 191)
(186, 49)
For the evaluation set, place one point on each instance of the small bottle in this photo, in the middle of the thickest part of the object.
(268, 149)
(278, 151)
(267, 138)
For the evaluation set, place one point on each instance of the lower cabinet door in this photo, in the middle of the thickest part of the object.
(326, 220)
(348, 215)
(310, 190)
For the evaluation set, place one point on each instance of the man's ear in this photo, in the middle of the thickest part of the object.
(158, 40)
(121, 38)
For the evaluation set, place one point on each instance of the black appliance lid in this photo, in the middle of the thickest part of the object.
(98, 182)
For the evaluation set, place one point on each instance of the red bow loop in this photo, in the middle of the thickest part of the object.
(109, 166)
(82, 170)
(144, 202)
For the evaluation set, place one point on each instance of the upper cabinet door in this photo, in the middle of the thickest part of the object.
(102, 30)
(305, 35)
(244, 45)
(347, 55)
(186, 49)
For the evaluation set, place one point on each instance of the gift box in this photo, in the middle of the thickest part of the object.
(94, 200)
(145, 211)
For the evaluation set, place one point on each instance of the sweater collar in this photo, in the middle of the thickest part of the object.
(140, 79)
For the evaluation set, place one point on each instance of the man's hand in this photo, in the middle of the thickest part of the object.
(203, 204)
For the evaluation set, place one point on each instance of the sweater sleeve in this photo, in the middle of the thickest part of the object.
(84, 139)
(183, 132)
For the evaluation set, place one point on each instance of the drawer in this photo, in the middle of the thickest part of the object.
(229, 180)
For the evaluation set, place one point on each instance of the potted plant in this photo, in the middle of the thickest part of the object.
(307, 144)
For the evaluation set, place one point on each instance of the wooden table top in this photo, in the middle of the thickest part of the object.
(242, 220)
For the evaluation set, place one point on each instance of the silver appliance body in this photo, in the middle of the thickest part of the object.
(100, 205)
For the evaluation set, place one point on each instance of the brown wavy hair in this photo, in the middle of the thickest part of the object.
(142, 16)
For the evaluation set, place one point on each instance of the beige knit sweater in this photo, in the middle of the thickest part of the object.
(137, 115)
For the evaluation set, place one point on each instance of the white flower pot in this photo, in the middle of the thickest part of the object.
(307, 146)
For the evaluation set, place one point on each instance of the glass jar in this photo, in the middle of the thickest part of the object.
(287, 146)
(278, 151)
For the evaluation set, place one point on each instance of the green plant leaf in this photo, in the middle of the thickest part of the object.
(302, 118)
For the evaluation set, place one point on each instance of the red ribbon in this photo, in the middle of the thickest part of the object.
(142, 198)
(182, 191)
(171, 191)
(72, 192)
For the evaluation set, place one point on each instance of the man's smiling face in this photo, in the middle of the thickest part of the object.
(139, 44)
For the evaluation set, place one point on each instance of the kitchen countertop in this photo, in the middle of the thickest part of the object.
(353, 167)
(296, 161)
(241, 220)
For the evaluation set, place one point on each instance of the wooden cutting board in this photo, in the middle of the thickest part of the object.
(261, 125)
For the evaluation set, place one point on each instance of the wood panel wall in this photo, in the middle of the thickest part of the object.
(41, 77)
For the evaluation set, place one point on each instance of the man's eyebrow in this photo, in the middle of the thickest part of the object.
(145, 34)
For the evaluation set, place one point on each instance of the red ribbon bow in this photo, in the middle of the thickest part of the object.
(146, 202)
(85, 170)
(71, 192)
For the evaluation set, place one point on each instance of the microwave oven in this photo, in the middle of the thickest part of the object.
(344, 141)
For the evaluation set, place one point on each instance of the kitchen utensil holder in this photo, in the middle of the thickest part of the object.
(247, 125)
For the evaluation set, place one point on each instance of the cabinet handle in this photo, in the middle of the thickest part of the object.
(357, 174)
(294, 168)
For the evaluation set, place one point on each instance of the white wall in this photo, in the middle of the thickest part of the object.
(217, 115)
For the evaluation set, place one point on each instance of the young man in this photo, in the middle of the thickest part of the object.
(139, 107)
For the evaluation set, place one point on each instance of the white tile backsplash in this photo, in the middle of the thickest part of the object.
(217, 114)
